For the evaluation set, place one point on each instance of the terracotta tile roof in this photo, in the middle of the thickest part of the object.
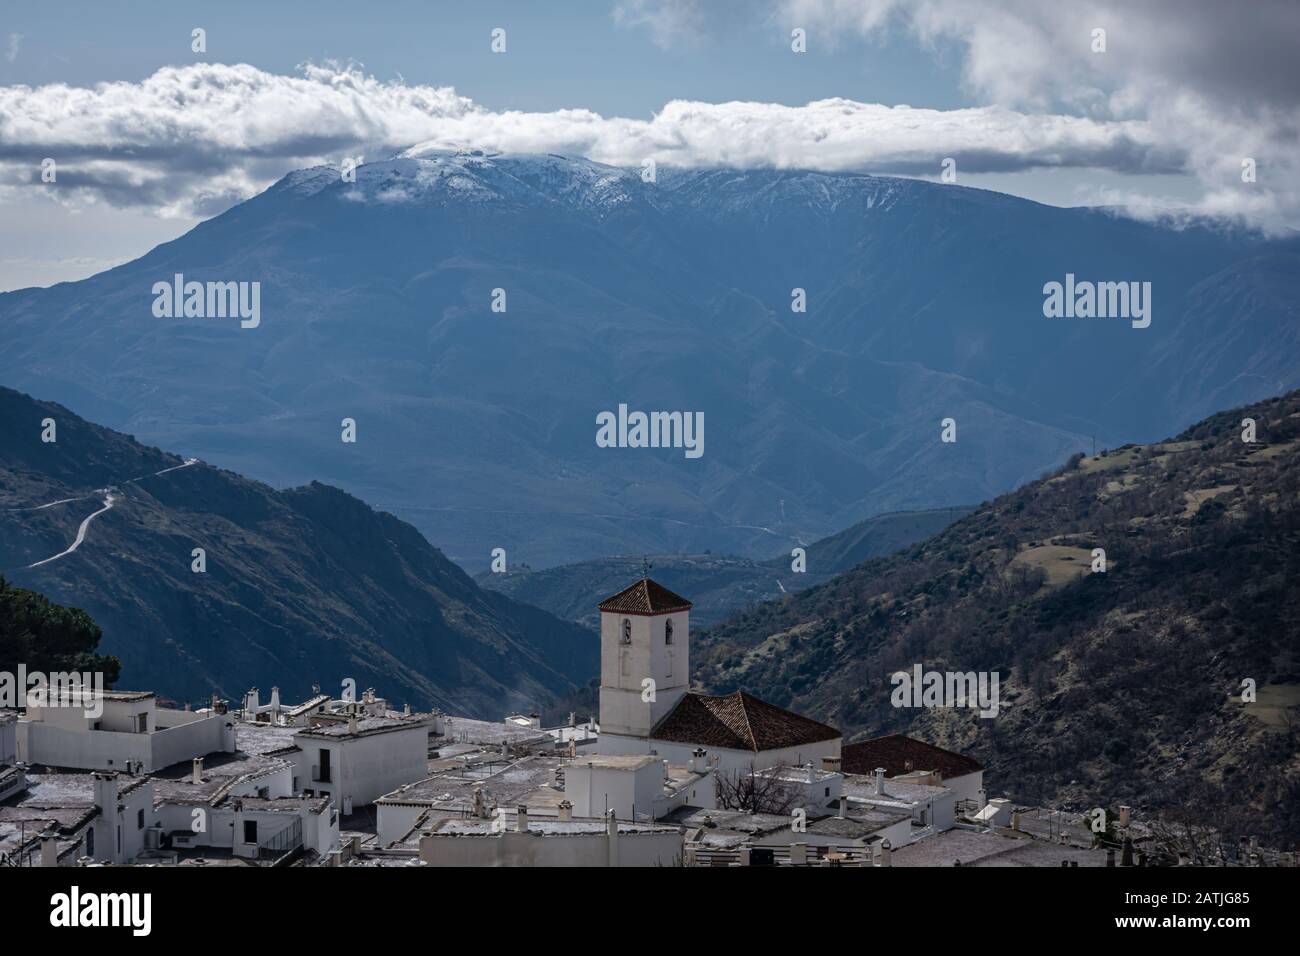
(738, 721)
(899, 754)
(645, 597)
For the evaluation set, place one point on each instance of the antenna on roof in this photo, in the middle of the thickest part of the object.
(645, 566)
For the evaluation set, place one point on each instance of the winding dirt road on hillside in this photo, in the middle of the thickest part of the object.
(109, 499)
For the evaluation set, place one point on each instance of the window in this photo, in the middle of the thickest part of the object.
(139, 820)
(250, 831)
(627, 630)
(90, 842)
(668, 631)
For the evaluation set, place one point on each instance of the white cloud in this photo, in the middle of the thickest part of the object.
(194, 139)
(1215, 82)
(669, 21)
(11, 48)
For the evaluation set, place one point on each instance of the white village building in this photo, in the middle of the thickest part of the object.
(359, 760)
(907, 759)
(12, 778)
(130, 728)
(562, 841)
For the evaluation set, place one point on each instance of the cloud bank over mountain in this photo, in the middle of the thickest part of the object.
(193, 140)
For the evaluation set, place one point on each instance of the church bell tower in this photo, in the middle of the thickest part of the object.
(644, 657)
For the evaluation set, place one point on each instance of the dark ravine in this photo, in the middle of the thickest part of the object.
(1122, 687)
(303, 586)
(719, 585)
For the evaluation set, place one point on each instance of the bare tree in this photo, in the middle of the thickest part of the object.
(756, 792)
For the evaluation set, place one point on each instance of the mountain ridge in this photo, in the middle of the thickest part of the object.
(302, 586)
(924, 302)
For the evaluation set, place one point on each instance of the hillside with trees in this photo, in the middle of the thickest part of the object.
(1122, 686)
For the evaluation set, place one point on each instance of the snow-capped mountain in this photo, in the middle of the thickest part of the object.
(924, 302)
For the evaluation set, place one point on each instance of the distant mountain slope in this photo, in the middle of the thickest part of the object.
(718, 585)
(924, 301)
(1116, 687)
(302, 586)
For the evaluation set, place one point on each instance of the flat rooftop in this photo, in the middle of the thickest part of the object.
(263, 738)
(986, 848)
(221, 771)
(504, 781)
(365, 727)
(857, 825)
(490, 732)
(862, 787)
(285, 804)
(546, 828)
(616, 761)
(753, 824)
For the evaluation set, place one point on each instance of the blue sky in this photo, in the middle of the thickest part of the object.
(586, 58)
(1010, 88)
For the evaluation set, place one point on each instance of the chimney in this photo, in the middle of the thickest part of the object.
(406, 710)
(197, 777)
(831, 764)
(886, 848)
(1125, 815)
(49, 847)
(336, 857)
(106, 794)
(275, 699)
(983, 798)
(573, 748)
(1110, 856)
(521, 818)
(352, 723)
(251, 703)
(480, 806)
(566, 811)
(844, 806)
(880, 781)
(611, 830)
(699, 762)
(812, 772)
(573, 719)
(1015, 819)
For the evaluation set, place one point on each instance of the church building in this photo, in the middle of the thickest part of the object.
(647, 706)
